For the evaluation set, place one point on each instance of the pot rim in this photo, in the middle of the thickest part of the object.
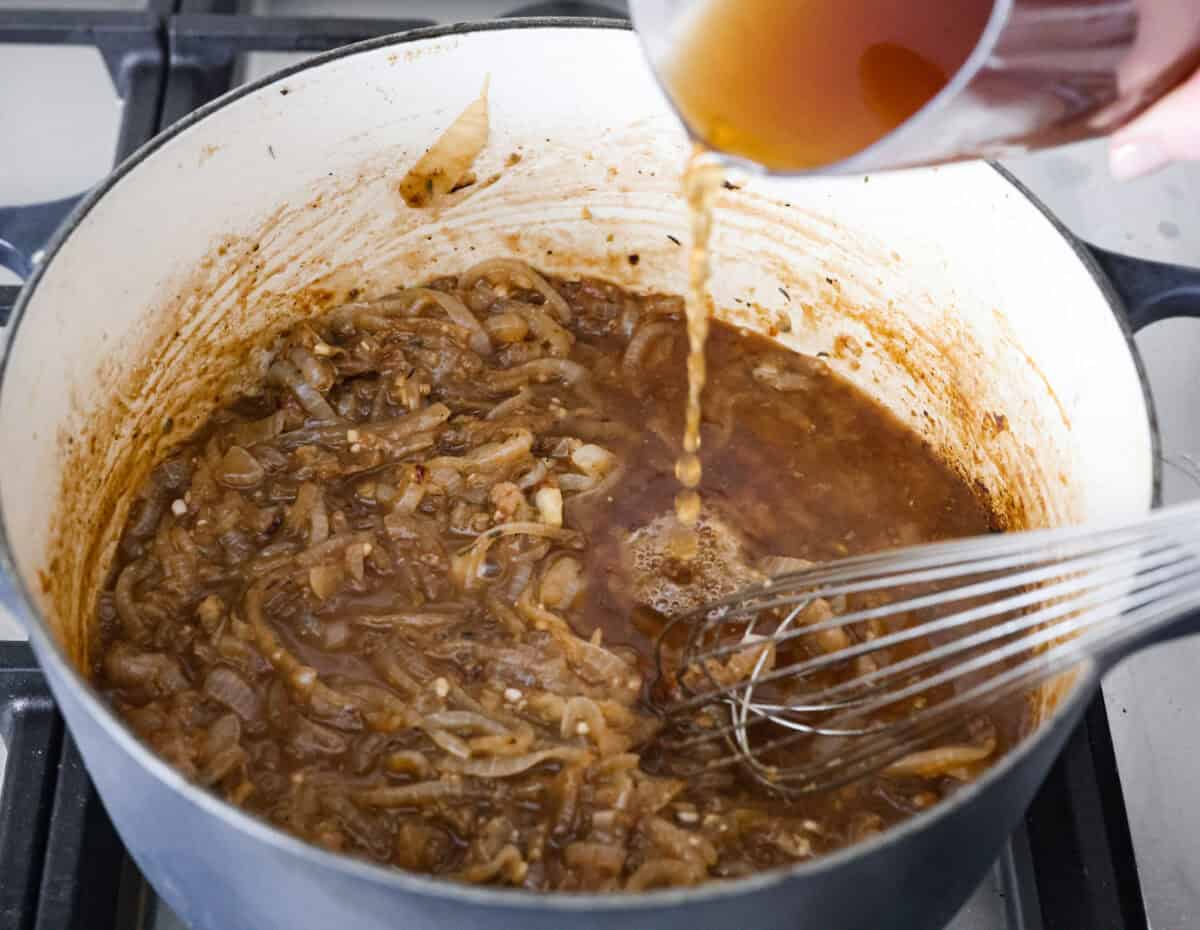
(18, 599)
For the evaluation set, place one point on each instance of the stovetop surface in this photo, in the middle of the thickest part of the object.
(1071, 865)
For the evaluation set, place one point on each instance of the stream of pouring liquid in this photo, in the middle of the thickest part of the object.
(701, 181)
(793, 85)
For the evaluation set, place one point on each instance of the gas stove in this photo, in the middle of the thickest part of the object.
(1109, 842)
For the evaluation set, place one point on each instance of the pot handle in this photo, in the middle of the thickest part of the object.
(24, 232)
(8, 300)
(1151, 291)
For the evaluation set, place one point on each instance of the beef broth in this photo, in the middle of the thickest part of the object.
(800, 85)
(402, 601)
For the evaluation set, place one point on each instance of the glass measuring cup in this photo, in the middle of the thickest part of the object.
(1028, 74)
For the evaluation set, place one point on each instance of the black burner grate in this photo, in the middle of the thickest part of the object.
(62, 867)
(134, 53)
(60, 858)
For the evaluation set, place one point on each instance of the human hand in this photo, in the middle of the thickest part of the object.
(1168, 31)
(1169, 131)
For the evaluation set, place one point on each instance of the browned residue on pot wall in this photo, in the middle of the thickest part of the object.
(190, 361)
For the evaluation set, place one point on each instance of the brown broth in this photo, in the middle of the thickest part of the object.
(800, 84)
(818, 473)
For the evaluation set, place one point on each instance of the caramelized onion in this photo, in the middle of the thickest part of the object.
(287, 375)
(506, 327)
(942, 760)
(449, 159)
(318, 373)
(540, 371)
(239, 469)
(520, 274)
(465, 720)
(506, 864)
(642, 340)
(515, 765)
(602, 857)
(227, 687)
(457, 311)
(420, 794)
(556, 340)
(660, 873)
(562, 583)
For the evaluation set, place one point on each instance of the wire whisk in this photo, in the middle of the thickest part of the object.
(820, 677)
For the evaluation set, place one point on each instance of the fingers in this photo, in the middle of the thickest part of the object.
(1169, 131)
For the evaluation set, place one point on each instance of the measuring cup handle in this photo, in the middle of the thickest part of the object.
(1151, 291)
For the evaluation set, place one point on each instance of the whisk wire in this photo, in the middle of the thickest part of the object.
(867, 701)
(988, 618)
(1109, 576)
(940, 599)
(879, 749)
(1101, 594)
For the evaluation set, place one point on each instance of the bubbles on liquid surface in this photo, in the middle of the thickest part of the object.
(671, 584)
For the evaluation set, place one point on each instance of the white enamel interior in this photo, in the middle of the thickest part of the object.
(946, 293)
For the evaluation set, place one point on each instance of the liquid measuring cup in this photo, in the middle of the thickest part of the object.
(850, 86)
